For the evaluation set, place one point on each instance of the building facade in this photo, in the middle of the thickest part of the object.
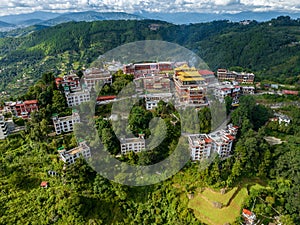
(65, 124)
(244, 78)
(70, 81)
(132, 144)
(70, 156)
(141, 69)
(24, 109)
(92, 76)
(153, 99)
(202, 146)
(3, 128)
(190, 86)
(76, 98)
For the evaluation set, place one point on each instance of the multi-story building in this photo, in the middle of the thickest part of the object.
(3, 128)
(159, 83)
(208, 75)
(76, 98)
(70, 156)
(153, 99)
(65, 124)
(94, 75)
(70, 81)
(248, 90)
(244, 78)
(222, 141)
(190, 86)
(25, 108)
(141, 69)
(227, 89)
(200, 146)
(133, 144)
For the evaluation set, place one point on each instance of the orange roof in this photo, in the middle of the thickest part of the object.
(44, 183)
(31, 102)
(207, 140)
(230, 137)
(103, 98)
(206, 72)
(288, 92)
(247, 212)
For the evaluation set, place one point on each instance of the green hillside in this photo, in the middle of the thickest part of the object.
(269, 49)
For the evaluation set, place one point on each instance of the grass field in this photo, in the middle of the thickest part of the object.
(204, 210)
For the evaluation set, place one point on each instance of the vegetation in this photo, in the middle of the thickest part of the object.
(269, 49)
(258, 175)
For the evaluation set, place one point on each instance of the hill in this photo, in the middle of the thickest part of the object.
(270, 49)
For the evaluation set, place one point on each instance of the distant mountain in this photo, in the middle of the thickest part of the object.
(19, 19)
(187, 18)
(6, 26)
(90, 16)
(19, 32)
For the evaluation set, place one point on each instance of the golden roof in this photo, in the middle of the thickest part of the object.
(190, 76)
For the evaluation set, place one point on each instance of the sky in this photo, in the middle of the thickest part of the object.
(209, 6)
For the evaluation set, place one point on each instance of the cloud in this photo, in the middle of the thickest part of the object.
(15, 6)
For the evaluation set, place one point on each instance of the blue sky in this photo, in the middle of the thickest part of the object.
(216, 6)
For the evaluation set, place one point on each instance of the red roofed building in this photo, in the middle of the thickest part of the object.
(289, 92)
(200, 146)
(249, 216)
(208, 75)
(70, 81)
(44, 184)
(25, 108)
(106, 98)
(203, 145)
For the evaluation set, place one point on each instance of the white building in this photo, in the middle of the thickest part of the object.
(153, 99)
(76, 98)
(94, 75)
(132, 144)
(248, 90)
(226, 89)
(222, 143)
(65, 124)
(200, 146)
(3, 128)
(282, 119)
(71, 155)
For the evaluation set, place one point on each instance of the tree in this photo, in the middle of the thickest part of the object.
(58, 102)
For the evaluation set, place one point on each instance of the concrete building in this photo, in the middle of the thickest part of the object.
(94, 75)
(190, 86)
(141, 69)
(70, 82)
(65, 124)
(282, 119)
(132, 144)
(3, 128)
(76, 98)
(153, 99)
(248, 90)
(24, 109)
(70, 156)
(244, 78)
(227, 89)
(208, 75)
(202, 146)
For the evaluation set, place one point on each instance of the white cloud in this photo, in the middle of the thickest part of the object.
(16, 6)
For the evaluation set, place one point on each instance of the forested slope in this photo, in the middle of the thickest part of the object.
(269, 49)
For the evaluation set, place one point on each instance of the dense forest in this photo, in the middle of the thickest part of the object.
(270, 49)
